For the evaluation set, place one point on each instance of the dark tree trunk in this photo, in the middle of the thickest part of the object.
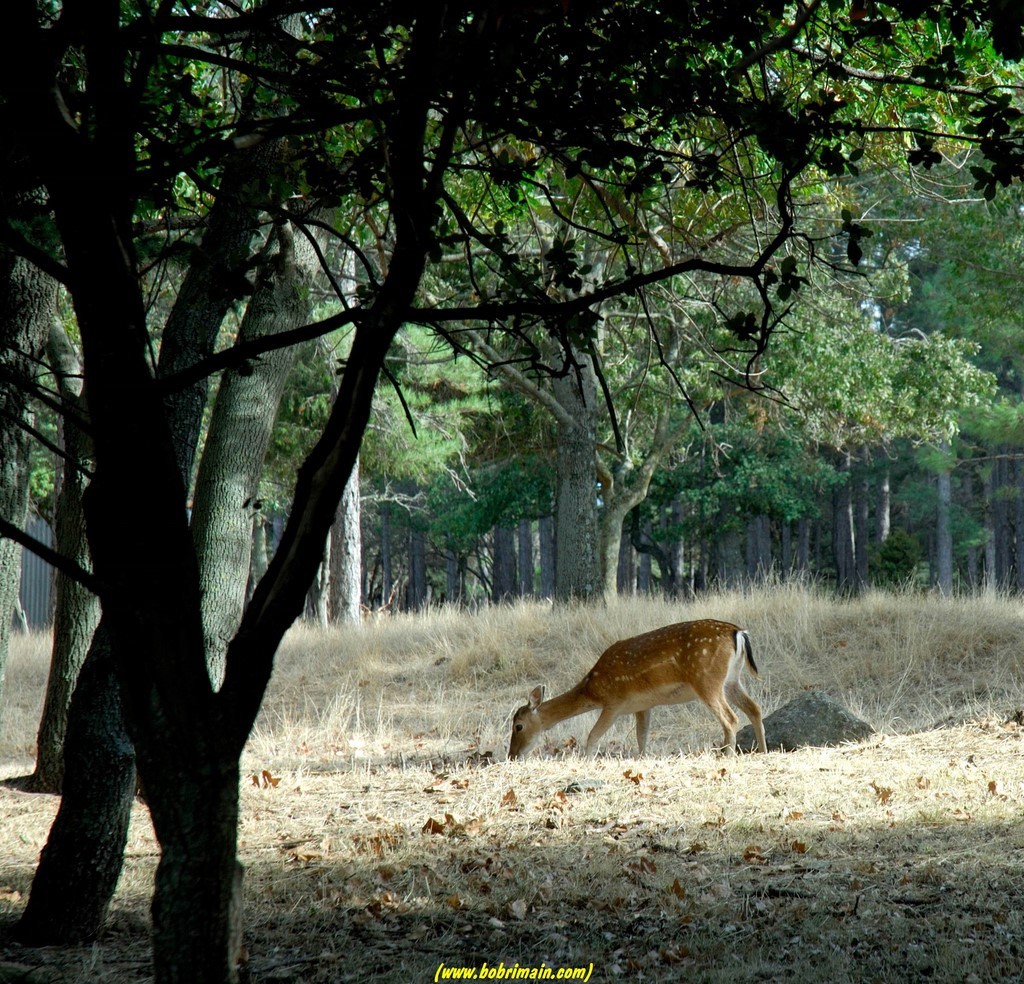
(943, 532)
(198, 891)
(525, 540)
(578, 564)
(546, 539)
(76, 610)
(672, 549)
(416, 598)
(991, 576)
(644, 567)
(803, 546)
(27, 310)
(1018, 475)
(81, 862)
(861, 515)
(503, 579)
(387, 577)
(454, 577)
(626, 572)
(973, 560)
(1002, 529)
(759, 549)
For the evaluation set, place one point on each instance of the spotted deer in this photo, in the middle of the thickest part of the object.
(700, 660)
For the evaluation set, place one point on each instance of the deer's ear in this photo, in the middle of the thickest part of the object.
(536, 696)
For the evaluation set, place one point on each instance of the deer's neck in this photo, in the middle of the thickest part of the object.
(565, 706)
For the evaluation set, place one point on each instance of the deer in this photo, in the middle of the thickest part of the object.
(700, 660)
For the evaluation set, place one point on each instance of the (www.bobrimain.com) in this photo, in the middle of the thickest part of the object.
(516, 972)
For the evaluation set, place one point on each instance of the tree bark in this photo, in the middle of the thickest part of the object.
(225, 502)
(626, 575)
(843, 533)
(577, 563)
(216, 278)
(27, 310)
(546, 540)
(883, 515)
(759, 549)
(524, 533)
(77, 609)
(503, 581)
(416, 597)
(387, 575)
(861, 517)
(346, 558)
(81, 862)
(991, 579)
(943, 531)
(1002, 531)
(672, 545)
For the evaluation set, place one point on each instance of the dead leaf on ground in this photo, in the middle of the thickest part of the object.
(264, 779)
(882, 793)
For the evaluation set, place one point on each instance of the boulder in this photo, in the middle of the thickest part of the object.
(811, 719)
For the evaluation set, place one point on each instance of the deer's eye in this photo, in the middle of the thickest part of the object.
(519, 727)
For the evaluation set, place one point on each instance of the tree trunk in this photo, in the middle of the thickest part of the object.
(416, 598)
(503, 582)
(861, 517)
(387, 577)
(626, 574)
(346, 587)
(227, 484)
(577, 563)
(883, 514)
(524, 536)
(759, 549)
(991, 578)
(27, 310)
(943, 531)
(546, 538)
(786, 551)
(198, 892)
(319, 591)
(453, 570)
(214, 281)
(81, 862)
(672, 545)
(1001, 522)
(843, 533)
(973, 559)
(1018, 474)
(644, 572)
(77, 610)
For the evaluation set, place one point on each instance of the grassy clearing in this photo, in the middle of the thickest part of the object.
(385, 835)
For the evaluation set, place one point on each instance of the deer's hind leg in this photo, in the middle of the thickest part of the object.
(719, 706)
(738, 696)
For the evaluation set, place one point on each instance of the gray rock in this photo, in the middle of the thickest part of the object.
(813, 718)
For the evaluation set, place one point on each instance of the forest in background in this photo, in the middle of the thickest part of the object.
(883, 445)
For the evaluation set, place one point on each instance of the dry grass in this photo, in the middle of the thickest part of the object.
(391, 844)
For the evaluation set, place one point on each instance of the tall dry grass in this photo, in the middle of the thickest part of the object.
(406, 686)
(380, 842)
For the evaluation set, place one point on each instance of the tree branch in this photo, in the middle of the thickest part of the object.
(54, 558)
